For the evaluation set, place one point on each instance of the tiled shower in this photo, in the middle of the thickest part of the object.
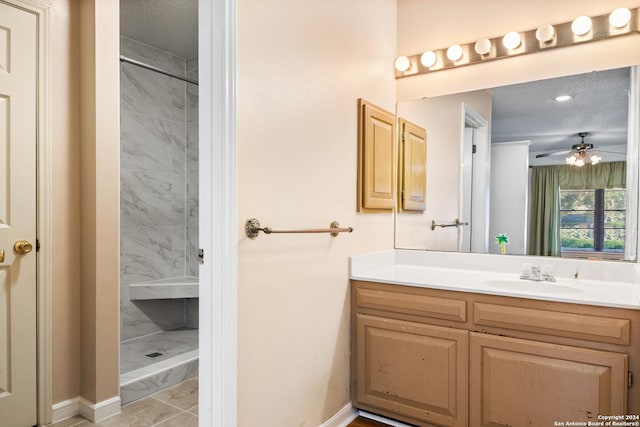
(159, 221)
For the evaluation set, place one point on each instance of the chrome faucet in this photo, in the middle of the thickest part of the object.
(537, 274)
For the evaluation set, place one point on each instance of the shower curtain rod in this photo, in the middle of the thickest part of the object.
(157, 70)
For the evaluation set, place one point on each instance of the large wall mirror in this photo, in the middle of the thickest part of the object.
(509, 161)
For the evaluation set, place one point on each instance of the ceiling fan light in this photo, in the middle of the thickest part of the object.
(595, 159)
(579, 162)
(571, 160)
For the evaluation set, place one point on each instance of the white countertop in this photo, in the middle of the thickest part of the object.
(609, 284)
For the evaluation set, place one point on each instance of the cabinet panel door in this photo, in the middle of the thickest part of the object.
(413, 169)
(411, 369)
(520, 383)
(376, 158)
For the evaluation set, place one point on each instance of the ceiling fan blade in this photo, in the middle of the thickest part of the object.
(610, 152)
(553, 153)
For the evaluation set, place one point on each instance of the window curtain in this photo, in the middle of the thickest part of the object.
(546, 182)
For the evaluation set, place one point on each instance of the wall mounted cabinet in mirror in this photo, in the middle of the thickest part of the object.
(376, 158)
(412, 155)
(470, 173)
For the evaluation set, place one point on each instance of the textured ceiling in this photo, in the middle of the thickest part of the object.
(170, 25)
(528, 111)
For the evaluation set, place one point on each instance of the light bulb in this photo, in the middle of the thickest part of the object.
(545, 33)
(511, 40)
(595, 159)
(483, 46)
(620, 17)
(403, 63)
(571, 160)
(581, 25)
(579, 162)
(454, 52)
(428, 59)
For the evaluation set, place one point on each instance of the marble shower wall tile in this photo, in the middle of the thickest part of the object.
(192, 156)
(152, 56)
(192, 313)
(158, 183)
(192, 251)
(146, 198)
(147, 143)
(146, 92)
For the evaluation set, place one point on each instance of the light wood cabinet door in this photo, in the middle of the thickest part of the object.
(521, 383)
(413, 166)
(376, 157)
(406, 369)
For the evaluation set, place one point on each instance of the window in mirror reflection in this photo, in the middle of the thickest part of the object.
(592, 221)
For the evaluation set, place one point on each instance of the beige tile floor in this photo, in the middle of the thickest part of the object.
(176, 406)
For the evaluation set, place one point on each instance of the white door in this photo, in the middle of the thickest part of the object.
(18, 53)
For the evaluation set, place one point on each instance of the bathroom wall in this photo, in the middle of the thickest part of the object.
(159, 191)
(301, 68)
(65, 213)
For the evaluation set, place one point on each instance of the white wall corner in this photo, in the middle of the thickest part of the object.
(94, 412)
(343, 417)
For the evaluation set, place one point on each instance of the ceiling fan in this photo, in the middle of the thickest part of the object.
(578, 153)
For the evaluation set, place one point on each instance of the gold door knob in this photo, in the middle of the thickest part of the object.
(22, 247)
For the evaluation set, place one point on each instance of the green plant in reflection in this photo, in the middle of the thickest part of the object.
(503, 240)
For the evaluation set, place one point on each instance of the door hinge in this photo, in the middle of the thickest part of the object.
(201, 256)
(37, 245)
(629, 379)
(474, 148)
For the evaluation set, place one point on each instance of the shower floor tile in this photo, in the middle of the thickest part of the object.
(169, 343)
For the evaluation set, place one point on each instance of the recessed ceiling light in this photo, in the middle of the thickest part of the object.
(563, 98)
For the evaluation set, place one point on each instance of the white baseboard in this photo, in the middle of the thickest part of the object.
(63, 410)
(94, 412)
(342, 418)
(383, 420)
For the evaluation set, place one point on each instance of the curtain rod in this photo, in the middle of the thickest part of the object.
(156, 69)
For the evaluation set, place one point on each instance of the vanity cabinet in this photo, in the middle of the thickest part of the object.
(520, 382)
(412, 369)
(444, 358)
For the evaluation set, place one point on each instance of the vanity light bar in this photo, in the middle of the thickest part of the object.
(559, 35)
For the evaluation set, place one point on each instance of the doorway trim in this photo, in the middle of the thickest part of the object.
(481, 178)
(218, 333)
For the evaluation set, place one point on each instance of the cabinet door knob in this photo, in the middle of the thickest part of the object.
(22, 247)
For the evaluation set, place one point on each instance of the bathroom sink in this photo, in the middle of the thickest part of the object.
(535, 287)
